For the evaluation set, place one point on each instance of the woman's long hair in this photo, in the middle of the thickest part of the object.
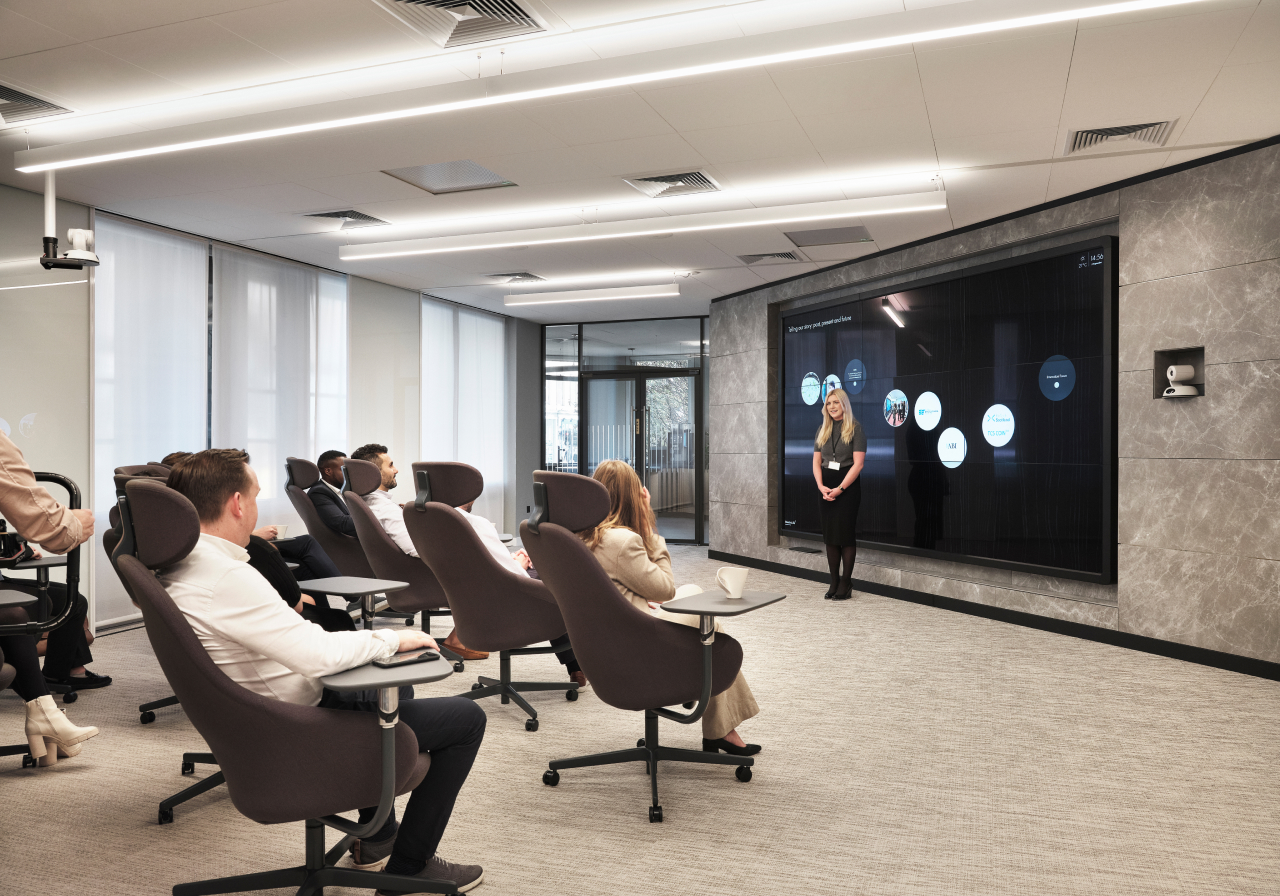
(627, 507)
(846, 423)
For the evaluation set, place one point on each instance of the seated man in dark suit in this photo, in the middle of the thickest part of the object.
(327, 494)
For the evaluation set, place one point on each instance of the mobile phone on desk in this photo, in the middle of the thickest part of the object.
(404, 659)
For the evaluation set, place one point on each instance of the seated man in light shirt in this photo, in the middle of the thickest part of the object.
(391, 516)
(263, 645)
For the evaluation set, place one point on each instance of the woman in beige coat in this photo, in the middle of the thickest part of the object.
(636, 558)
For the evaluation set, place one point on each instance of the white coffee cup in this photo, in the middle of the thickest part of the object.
(280, 530)
(731, 580)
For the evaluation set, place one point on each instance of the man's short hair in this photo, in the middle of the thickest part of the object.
(209, 478)
(171, 459)
(369, 452)
(329, 456)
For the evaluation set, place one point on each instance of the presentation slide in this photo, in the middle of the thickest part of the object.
(985, 404)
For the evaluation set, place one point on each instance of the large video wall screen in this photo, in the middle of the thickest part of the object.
(987, 402)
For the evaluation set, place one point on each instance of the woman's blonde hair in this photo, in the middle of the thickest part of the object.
(846, 423)
(627, 507)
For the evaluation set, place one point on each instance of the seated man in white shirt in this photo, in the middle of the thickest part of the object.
(263, 645)
(391, 515)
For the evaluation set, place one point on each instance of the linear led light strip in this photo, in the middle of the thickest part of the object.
(1087, 12)
(38, 285)
(612, 230)
(594, 295)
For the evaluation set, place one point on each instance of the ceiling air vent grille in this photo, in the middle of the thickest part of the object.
(517, 277)
(1153, 133)
(450, 177)
(770, 256)
(664, 185)
(829, 236)
(455, 23)
(350, 218)
(16, 107)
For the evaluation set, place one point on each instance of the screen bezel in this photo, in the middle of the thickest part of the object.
(1110, 305)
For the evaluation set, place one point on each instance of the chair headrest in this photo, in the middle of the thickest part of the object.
(449, 483)
(165, 524)
(113, 516)
(569, 500)
(148, 473)
(360, 476)
(302, 473)
(157, 471)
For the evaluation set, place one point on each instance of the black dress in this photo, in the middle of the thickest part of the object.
(840, 517)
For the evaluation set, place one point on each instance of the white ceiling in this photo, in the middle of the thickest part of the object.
(989, 113)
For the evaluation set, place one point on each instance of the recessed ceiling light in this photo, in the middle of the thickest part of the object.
(594, 295)
(68, 157)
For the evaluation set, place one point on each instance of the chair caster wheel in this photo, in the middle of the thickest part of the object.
(166, 816)
(530, 724)
(70, 697)
(551, 777)
(689, 705)
(640, 742)
(655, 813)
(409, 621)
(188, 768)
(477, 686)
(459, 666)
(571, 694)
(147, 717)
(28, 761)
(743, 773)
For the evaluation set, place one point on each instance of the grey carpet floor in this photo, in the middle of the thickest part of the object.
(907, 750)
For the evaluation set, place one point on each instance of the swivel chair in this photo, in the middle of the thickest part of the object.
(283, 762)
(635, 661)
(345, 552)
(494, 608)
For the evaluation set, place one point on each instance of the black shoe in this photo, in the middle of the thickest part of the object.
(715, 746)
(86, 682)
(845, 596)
(830, 593)
(464, 877)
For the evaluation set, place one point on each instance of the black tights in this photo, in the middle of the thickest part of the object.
(835, 554)
(20, 652)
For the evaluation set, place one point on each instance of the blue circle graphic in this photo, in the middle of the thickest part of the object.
(1057, 377)
(855, 377)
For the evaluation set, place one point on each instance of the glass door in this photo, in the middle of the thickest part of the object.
(669, 461)
(612, 424)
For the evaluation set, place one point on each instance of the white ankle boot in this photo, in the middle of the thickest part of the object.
(48, 726)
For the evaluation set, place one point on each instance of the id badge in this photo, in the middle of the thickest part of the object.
(833, 465)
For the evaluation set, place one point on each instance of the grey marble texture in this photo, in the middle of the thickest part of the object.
(740, 529)
(1237, 417)
(738, 325)
(1208, 506)
(1233, 312)
(1217, 601)
(1215, 216)
(1064, 588)
(740, 428)
(1098, 615)
(740, 378)
(740, 479)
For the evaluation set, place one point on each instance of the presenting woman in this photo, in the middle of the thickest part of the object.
(838, 455)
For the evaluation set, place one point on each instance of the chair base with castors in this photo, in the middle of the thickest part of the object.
(189, 760)
(649, 751)
(510, 690)
(147, 711)
(28, 761)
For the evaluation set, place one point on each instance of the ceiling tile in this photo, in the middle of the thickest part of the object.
(996, 149)
(840, 251)
(644, 155)
(745, 98)
(1241, 105)
(579, 14)
(368, 186)
(1007, 112)
(727, 280)
(749, 241)
(281, 198)
(1078, 175)
(198, 54)
(91, 21)
(894, 230)
(82, 78)
(20, 35)
(849, 130)
(599, 119)
(981, 195)
(544, 166)
(861, 84)
(744, 142)
(766, 18)
(1261, 39)
(803, 166)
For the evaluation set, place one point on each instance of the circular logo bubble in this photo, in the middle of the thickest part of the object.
(855, 377)
(1057, 378)
(997, 425)
(810, 388)
(830, 384)
(895, 408)
(952, 447)
(928, 411)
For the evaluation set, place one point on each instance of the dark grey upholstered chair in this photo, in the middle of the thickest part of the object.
(635, 661)
(7, 673)
(359, 478)
(345, 551)
(283, 762)
(494, 608)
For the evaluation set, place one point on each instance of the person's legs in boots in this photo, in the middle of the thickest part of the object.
(848, 554)
(833, 566)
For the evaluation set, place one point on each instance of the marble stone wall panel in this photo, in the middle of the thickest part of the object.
(1216, 601)
(740, 529)
(739, 479)
(949, 569)
(740, 378)
(1098, 615)
(1237, 417)
(1215, 216)
(1208, 506)
(1065, 588)
(1233, 312)
(740, 428)
(738, 325)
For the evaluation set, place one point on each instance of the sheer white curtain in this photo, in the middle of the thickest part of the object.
(464, 375)
(279, 365)
(150, 366)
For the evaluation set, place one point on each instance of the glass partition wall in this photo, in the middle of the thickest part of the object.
(633, 391)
